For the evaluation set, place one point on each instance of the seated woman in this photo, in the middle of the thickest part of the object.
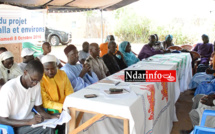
(158, 45)
(148, 49)
(168, 41)
(8, 69)
(204, 49)
(129, 57)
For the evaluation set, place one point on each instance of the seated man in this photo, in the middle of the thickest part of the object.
(55, 84)
(84, 53)
(104, 46)
(204, 49)
(27, 55)
(96, 63)
(113, 63)
(148, 49)
(79, 75)
(19, 96)
(8, 69)
(46, 50)
(200, 103)
(168, 42)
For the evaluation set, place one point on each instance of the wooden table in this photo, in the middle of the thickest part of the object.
(74, 127)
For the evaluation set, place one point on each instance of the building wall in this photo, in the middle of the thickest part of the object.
(16, 49)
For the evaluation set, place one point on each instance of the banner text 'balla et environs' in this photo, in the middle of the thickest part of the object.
(21, 25)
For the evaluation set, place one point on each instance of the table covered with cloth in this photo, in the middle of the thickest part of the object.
(183, 66)
(149, 106)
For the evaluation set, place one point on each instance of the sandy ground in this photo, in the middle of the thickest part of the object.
(183, 107)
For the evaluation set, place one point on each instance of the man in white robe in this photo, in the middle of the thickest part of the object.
(27, 55)
(8, 69)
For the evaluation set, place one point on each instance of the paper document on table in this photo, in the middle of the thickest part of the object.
(52, 123)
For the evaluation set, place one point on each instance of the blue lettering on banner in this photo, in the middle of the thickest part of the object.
(19, 22)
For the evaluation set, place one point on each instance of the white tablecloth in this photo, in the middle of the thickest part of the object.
(150, 110)
(182, 61)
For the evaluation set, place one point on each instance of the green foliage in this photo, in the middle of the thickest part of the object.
(131, 27)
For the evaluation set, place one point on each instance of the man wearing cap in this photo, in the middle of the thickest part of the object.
(27, 55)
(8, 69)
(79, 75)
(204, 49)
(96, 63)
(55, 84)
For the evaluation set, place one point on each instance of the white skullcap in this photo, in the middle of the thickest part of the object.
(26, 52)
(5, 55)
(48, 58)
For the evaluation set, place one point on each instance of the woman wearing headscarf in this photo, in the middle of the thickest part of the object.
(8, 69)
(204, 49)
(129, 57)
(158, 45)
(168, 41)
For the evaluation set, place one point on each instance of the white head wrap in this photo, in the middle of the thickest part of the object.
(26, 52)
(14, 70)
(5, 55)
(48, 58)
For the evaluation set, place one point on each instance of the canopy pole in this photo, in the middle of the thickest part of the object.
(101, 25)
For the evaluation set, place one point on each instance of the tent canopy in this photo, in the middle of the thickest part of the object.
(69, 5)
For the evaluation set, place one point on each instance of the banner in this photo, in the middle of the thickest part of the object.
(21, 25)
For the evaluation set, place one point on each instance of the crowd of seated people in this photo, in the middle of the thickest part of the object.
(43, 82)
(202, 84)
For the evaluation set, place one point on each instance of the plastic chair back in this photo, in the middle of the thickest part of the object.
(195, 55)
(174, 48)
(204, 116)
(187, 47)
(8, 128)
(203, 130)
